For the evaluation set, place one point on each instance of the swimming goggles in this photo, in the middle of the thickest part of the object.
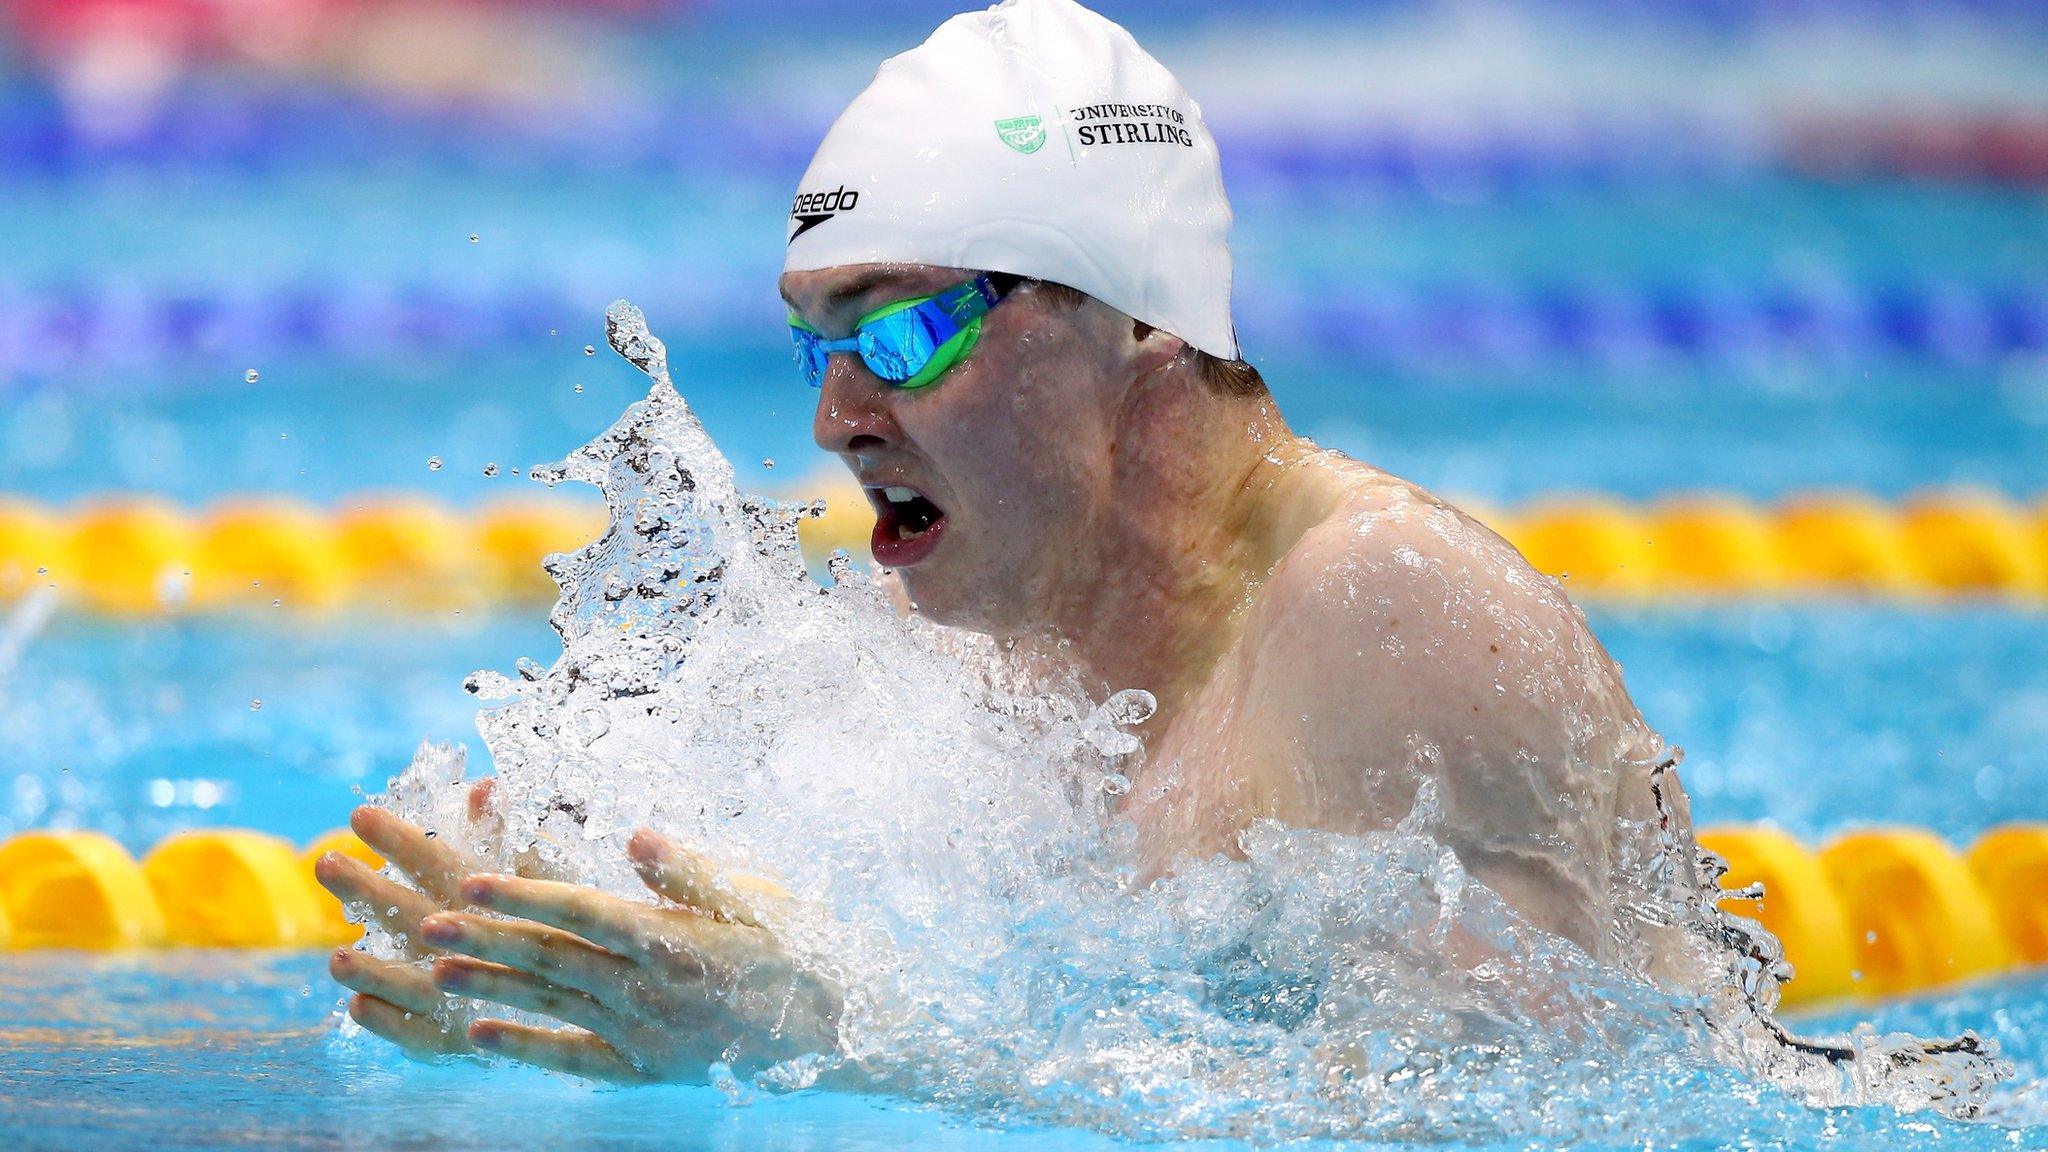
(910, 343)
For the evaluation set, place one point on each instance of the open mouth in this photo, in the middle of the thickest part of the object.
(907, 525)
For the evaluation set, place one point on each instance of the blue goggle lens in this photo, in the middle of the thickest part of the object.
(899, 345)
(899, 341)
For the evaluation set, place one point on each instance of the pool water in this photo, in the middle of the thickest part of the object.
(1821, 716)
(193, 1050)
(1650, 299)
(1816, 717)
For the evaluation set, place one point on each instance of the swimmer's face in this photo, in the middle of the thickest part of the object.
(1009, 453)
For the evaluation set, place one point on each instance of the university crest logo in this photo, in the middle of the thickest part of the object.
(1026, 134)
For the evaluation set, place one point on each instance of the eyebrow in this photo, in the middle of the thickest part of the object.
(857, 287)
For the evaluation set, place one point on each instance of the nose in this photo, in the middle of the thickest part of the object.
(853, 413)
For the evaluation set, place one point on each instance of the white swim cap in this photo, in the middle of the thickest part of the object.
(1034, 138)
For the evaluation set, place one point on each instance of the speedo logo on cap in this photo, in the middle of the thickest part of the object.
(811, 209)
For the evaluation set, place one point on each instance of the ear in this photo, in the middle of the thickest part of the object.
(1153, 348)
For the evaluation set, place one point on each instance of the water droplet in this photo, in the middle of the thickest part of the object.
(433, 463)
(249, 377)
(768, 463)
(588, 725)
(277, 603)
(590, 349)
(1116, 783)
(473, 237)
(490, 469)
(42, 571)
(579, 388)
(255, 705)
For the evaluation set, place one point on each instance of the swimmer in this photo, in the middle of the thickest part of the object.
(1008, 276)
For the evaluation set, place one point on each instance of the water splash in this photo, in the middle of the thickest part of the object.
(951, 826)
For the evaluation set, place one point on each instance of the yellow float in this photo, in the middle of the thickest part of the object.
(1841, 541)
(2011, 867)
(1971, 543)
(254, 553)
(1916, 917)
(1592, 543)
(405, 552)
(231, 888)
(76, 890)
(1798, 907)
(847, 525)
(131, 557)
(32, 549)
(512, 537)
(1716, 545)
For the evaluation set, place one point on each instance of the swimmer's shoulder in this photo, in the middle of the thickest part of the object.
(1395, 601)
(1400, 638)
(1369, 527)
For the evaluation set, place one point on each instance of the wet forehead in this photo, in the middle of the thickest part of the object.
(844, 293)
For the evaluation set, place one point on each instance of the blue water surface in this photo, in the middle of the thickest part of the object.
(1502, 300)
(206, 1050)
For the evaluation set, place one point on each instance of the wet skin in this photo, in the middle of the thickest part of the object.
(1323, 639)
(647, 992)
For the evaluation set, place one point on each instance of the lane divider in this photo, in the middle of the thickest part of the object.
(220, 129)
(207, 888)
(138, 555)
(1887, 911)
(1873, 914)
(1603, 326)
(132, 556)
(1934, 544)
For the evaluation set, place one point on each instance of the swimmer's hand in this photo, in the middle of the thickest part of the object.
(396, 999)
(651, 992)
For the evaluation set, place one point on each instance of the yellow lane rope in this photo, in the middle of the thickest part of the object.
(136, 555)
(1875, 913)
(1885, 911)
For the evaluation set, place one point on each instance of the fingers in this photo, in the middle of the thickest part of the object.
(483, 800)
(487, 826)
(462, 976)
(437, 868)
(620, 926)
(534, 864)
(402, 986)
(570, 1050)
(394, 906)
(546, 952)
(420, 1035)
(694, 881)
(486, 819)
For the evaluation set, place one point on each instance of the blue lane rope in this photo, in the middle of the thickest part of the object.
(47, 331)
(270, 129)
